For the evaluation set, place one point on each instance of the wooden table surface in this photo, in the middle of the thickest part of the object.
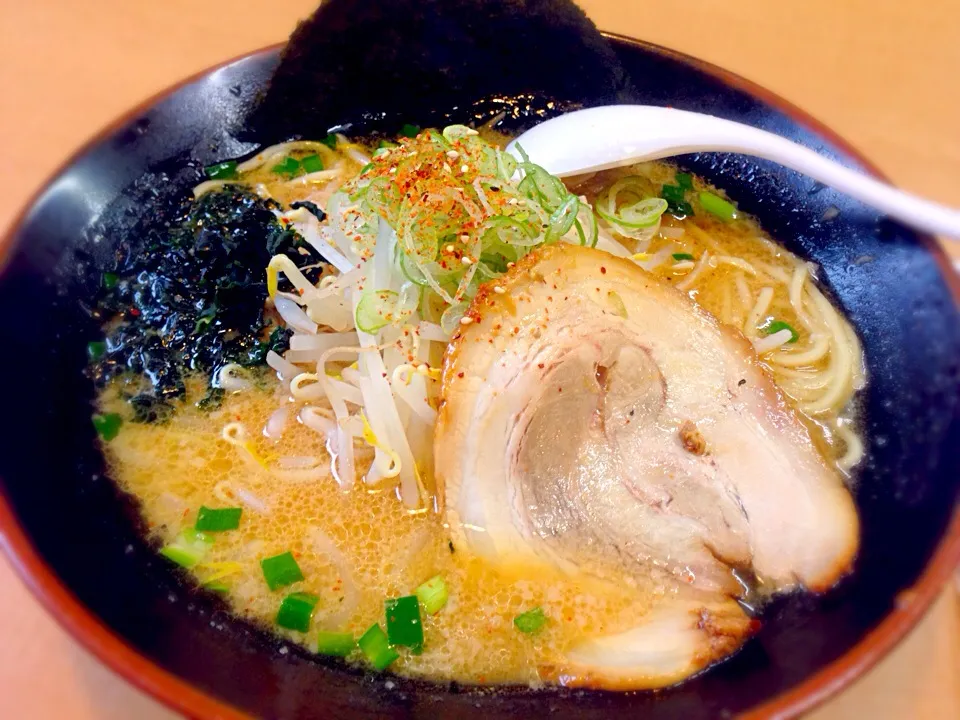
(883, 73)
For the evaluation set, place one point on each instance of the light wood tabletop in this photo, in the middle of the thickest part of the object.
(882, 73)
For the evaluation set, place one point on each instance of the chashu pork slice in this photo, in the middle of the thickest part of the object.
(594, 419)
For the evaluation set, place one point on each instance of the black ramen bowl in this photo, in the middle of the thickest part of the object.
(77, 543)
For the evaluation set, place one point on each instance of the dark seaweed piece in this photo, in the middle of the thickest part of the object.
(213, 399)
(310, 207)
(407, 61)
(150, 408)
(190, 295)
(278, 341)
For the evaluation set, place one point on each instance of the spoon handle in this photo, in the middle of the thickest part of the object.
(617, 135)
(909, 209)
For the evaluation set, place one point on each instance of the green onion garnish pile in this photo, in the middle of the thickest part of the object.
(462, 210)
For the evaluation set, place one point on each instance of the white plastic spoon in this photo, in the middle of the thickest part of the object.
(616, 135)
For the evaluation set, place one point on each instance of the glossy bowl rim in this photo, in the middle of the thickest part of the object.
(180, 695)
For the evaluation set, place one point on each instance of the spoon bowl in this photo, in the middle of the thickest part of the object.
(616, 135)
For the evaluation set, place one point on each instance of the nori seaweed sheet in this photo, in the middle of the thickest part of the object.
(363, 64)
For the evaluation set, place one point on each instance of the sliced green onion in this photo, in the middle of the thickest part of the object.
(217, 586)
(221, 171)
(96, 349)
(512, 221)
(312, 163)
(450, 319)
(110, 280)
(452, 133)
(718, 206)
(218, 519)
(336, 644)
(367, 168)
(188, 548)
(375, 310)
(410, 270)
(280, 570)
(684, 180)
(542, 187)
(531, 621)
(491, 267)
(506, 165)
(682, 256)
(290, 166)
(642, 214)
(586, 226)
(330, 141)
(404, 627)
(433, 594)
(562, 219)
(778, 325)
(410, 131)
(375, 646)
(509, 231)
(107, 425)
(296, 610)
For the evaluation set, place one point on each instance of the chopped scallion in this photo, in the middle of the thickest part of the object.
(718, 206)
(222, 171)
(217, 586)
(684, 180)
(182, 557)
(778, 325)
(531, 621)
(676, 200)
(682, 256)
(673, 193)
(107, 425)
(330, 141)
(366, 168)
(386, 145)
(312, 163)
(336, 644)
(290, 166)
(280, 570)
(376, 647)
(218, 519)
(96, 349)
(110, 280)
(188, 548)
(296, 610)
(410, 131)
(433, 594)
(403, 622)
